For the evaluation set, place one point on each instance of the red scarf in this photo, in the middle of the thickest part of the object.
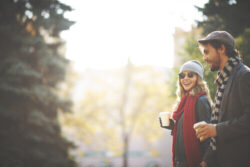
(191, 143)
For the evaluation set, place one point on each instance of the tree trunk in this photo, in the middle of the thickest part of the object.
(125, 150)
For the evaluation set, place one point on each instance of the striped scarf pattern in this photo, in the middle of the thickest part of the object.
(221, 82)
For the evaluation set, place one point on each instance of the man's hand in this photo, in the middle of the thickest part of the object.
(204, 131)
(203, 164)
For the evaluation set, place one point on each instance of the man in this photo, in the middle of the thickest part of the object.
(229, 129)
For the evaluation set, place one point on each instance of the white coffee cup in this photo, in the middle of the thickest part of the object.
(196, 129)
(165, 118)
(199, 123)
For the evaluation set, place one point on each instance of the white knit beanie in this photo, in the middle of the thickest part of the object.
(194, 66)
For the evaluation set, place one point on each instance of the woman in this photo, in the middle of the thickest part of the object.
(193, 105)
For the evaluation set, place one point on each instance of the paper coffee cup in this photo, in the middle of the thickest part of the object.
(199, 123)
(196, 129)
(164, 118)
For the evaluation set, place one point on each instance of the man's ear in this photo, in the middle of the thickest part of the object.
(222, 49)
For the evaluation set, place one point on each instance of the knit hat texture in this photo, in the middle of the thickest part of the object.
(194, 66)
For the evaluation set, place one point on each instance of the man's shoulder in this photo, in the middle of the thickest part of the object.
(245, 68)
(242, 74)
(241, 70)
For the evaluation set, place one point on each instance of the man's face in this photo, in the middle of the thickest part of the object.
(211, 56)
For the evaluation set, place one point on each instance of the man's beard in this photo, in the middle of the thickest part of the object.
(214, 68)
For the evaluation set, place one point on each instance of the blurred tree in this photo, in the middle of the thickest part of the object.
(119, 105)
(242, 43)
(144, 95)
(229, 15)
(31, 67)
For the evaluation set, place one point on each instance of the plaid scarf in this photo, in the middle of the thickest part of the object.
(221, 82)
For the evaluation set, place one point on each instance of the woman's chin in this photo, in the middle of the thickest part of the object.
(187, 89)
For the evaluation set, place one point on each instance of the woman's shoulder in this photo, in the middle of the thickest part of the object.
(203, 100)
(203, 109)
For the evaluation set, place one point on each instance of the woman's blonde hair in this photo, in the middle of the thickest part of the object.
(200, 86)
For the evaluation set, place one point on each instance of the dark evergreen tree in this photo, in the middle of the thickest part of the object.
(31, 67)
(229, 15)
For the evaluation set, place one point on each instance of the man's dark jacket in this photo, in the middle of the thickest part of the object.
(233, 129)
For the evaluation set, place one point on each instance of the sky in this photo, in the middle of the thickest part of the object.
(109, 32)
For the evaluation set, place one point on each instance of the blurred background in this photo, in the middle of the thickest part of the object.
(83, 82)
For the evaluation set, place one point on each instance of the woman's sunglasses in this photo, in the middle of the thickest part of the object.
(190, 75)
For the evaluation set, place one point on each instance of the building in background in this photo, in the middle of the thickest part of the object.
(180, 37)
(179, 40)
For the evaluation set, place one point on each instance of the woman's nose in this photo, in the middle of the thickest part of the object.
(204, 58)
(186, 77)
